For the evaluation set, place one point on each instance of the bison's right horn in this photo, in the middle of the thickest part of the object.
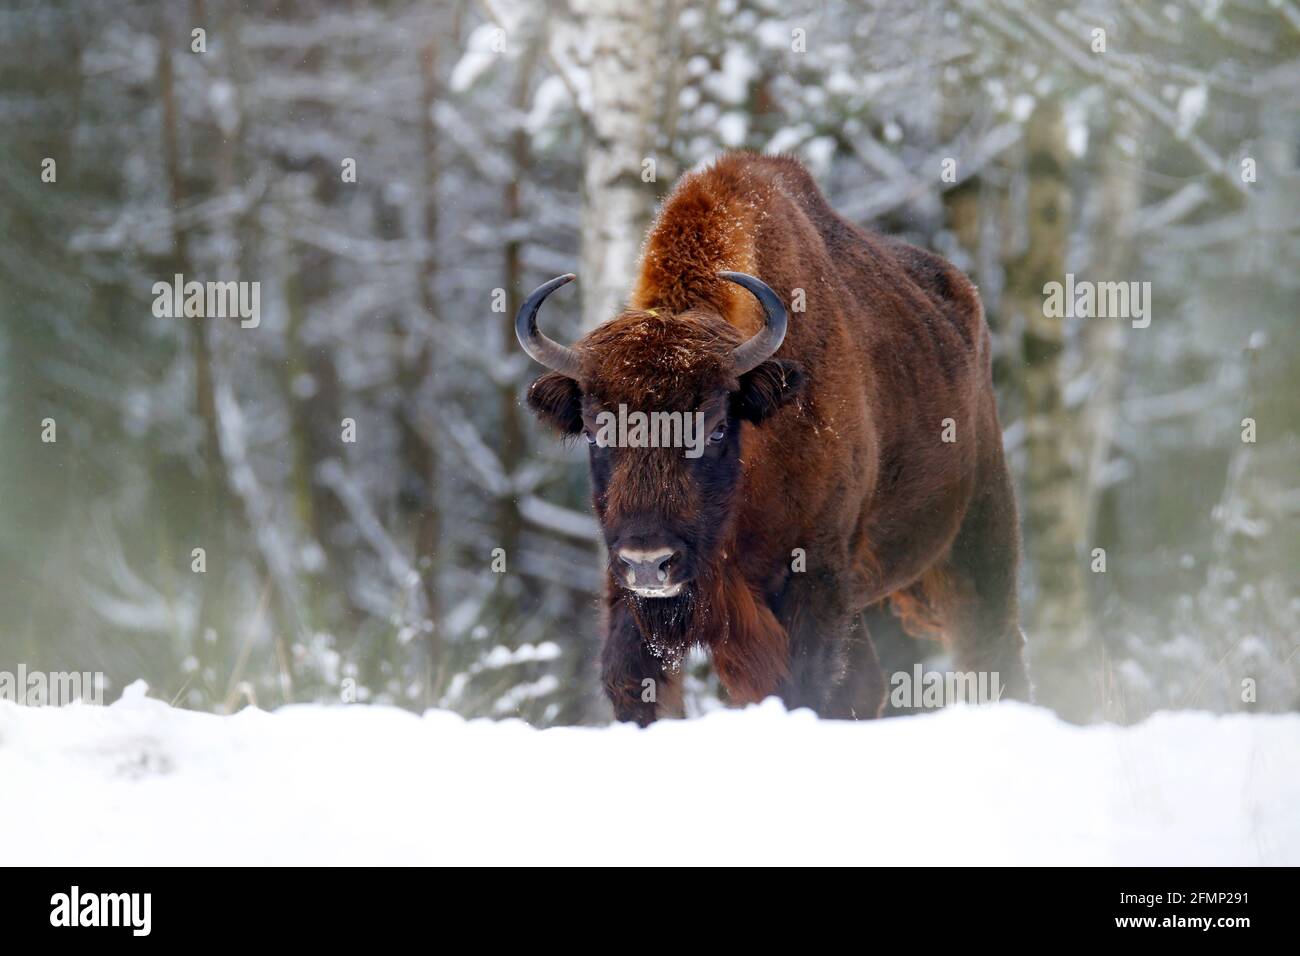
(552, 354)
(751, 354)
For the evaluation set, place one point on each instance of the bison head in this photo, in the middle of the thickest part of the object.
(664, 505)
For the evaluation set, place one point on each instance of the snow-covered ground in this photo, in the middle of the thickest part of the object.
(139, 782)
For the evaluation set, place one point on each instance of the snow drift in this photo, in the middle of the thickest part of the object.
(140, 782)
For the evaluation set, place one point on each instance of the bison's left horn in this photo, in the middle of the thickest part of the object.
(753, 353)
(550, 353)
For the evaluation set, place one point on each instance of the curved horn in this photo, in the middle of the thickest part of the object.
(552, 354)
(753, 353)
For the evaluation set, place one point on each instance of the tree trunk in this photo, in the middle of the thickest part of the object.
(212, 636)
(1119, 195)
(616, 204)
(416, 365)
(1054, 516)
(509, 523)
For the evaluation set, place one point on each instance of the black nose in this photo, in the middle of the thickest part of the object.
(646, 569)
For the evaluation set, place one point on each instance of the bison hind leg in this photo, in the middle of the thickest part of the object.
(969, 603)
(980, 608)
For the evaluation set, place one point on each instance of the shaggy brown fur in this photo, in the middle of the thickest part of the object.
(832, 449)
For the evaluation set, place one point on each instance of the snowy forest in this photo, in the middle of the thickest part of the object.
(345, 499)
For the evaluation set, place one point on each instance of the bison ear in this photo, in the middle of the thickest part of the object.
(557, 401)
(767, 388)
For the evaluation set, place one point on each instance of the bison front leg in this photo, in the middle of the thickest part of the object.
(861, 695)
(636, 682)
(822, 633)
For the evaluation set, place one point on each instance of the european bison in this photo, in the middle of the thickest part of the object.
(853, 455)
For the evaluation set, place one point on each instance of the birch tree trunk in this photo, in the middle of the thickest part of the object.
(1119, 195)
(621, 124)
(1102, 347)
(1054, 516)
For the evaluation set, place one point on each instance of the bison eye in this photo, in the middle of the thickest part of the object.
(591, 439)
(717, 436)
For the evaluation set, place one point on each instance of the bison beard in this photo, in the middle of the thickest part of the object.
(826, 491)
(749, 647)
